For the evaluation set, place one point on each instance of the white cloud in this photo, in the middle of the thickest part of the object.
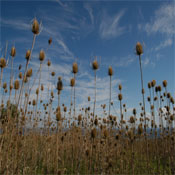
(163, 21)
(110, 28)
(166, 43)
(90, 11)
(126, 61)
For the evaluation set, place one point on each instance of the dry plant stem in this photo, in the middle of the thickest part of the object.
(142, 89)
(1, 77)
(27, 63)
(95, 77)
(38, 88)
(11, 78)
(110, 97)
(71, 102)
(74, 95)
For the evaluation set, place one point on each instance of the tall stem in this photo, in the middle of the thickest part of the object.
(95, 93)
(110, 97)
(142, 92)
(74, 95)
(27, 63)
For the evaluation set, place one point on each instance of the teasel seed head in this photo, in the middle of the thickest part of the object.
(59, 84)
(53, 74)
(110, 71)
(42, 87)
(134, 111)
(48, 63)
(37, 91)
(65, 109)
(42, 55)
(75, 68)
(25, 79)
(149, 99)
(95, 65)
(34, 102)
(29, 72)
(35, 27)
(153, 83)
(164, 83)
(120, 87)
(58, 116)
(2, 63)
(50, 41)
(13, 52)
(139, 49)
(4, 85)
(16, 84)
(159, 88)
(89, 98)
(72, 82)
(20, 75)
(28, 55)
(120, 97)
(149, 85)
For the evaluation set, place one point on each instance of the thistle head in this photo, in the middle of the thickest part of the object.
(28, 53)
(16, 84)
(35, 27)
(2, 63)
(164, 83)
(72, 82)
(139, 49)
(95, 65)
(41, 55)
(13, 52)
(75, 68)
(110, 71)
(48, 63)
(50, 41)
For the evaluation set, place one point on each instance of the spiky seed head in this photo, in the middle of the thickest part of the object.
(153, 83)
(59, 85)
(42, 87)
(110, 71)
(164, 83)
(168, 95)
(29, 72)
(20, 75)
(65, 109)
(58, 116)
(159, 88)
(6, 90)
(95, 65)
(149, 99)
(53, 74)
(25, 79)
(96, 121)
(89, 98)
(4, 85)
(75, 68)
(120, 87)
(72, 82)
(13, 52)
(171, 117)
(79, 118)
(172, 100)
(16, 84)
(139, 49)
(120, 97)
(149, 85)
(2, 63)
(20, 66)
(41, 55)
(35, 27)
(34, 102)
(50, 41)
(93, 133)
(134, 111)
(140, 129)
(37, 91)
(48, 63)
(28, 53)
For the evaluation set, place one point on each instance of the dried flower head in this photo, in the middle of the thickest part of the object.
(29, 72)
(120, 97)
(95, 65)
(48, 63)
(139, 49)
(35, 27)
(110, 71)
(41, 55)
(153, 83)
(13, 52)
(53, 74)
(2, 63)
(50, 41)
(75, 68)
(120, 87)
(28, 53)
(16, 84)
(72, 82)
(164, 83)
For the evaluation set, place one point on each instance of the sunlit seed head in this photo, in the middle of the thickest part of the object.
(95, 65)
(93, 133)
(28, 54)
(120, 97)
(110, 71)
(16, 84)
(2, 63)
(34, 102)
(75, 68)
(164, 83)
(42, 87)
(29, 72)
(49, 63)
(153, 83)
(53, 74)
(50, 41)
(72, 82)
(13, 52)
(120, 87)
(35, 27)
(42, 55)
(4, 85)
(139, 49)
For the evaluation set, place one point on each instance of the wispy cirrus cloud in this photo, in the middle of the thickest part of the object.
(90, 11)
(162, 22)
(110, 26)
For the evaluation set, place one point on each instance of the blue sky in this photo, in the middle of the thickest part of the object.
(106, 29)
